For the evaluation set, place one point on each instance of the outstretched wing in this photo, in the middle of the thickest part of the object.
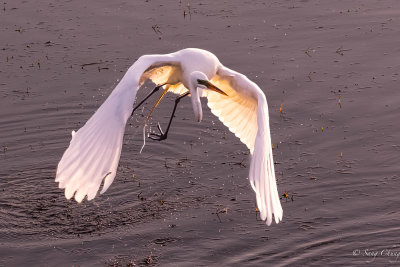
(95, 149)
(245, 112)
(238, 111)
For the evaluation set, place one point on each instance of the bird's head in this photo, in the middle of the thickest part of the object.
(199, 82)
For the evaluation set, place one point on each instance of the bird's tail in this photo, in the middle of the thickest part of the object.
(262, 173)
(94, 151)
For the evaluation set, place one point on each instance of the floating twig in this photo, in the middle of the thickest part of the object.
(156, 29)
(224, 210)
(307, 52)
(340, 50)
(91, 63)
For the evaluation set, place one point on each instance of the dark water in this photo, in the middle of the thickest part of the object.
(337, 163)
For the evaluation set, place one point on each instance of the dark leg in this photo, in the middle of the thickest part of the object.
(162, 136)
(152, 92)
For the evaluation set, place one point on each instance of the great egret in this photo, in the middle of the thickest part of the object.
(95, 149)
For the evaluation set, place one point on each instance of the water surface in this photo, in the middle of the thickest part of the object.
(190, 202)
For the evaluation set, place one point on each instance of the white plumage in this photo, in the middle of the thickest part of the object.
(95, 149)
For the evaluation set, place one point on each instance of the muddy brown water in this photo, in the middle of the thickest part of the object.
(189, 202)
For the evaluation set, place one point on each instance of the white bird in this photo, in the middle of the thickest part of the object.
(95, 149)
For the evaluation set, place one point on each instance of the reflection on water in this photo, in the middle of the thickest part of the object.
(187, 200)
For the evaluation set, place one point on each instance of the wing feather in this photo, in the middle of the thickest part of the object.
(239, 105)
(94, 151)
(245, 112)
(89, 158)
(160, 73)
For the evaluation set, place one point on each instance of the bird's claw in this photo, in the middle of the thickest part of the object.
(158, 136)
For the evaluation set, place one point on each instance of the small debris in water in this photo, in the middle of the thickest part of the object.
(91, 63)
(286, 196)
(156, 29)
(189, 13)
(149, 260)
(309, 76)
(257, 211)
(141, 198)
(340, 50)
(307, 52)
(241, 164)
(224, 210)
(104, 68)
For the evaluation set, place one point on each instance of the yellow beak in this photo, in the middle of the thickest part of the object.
(211, 86)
